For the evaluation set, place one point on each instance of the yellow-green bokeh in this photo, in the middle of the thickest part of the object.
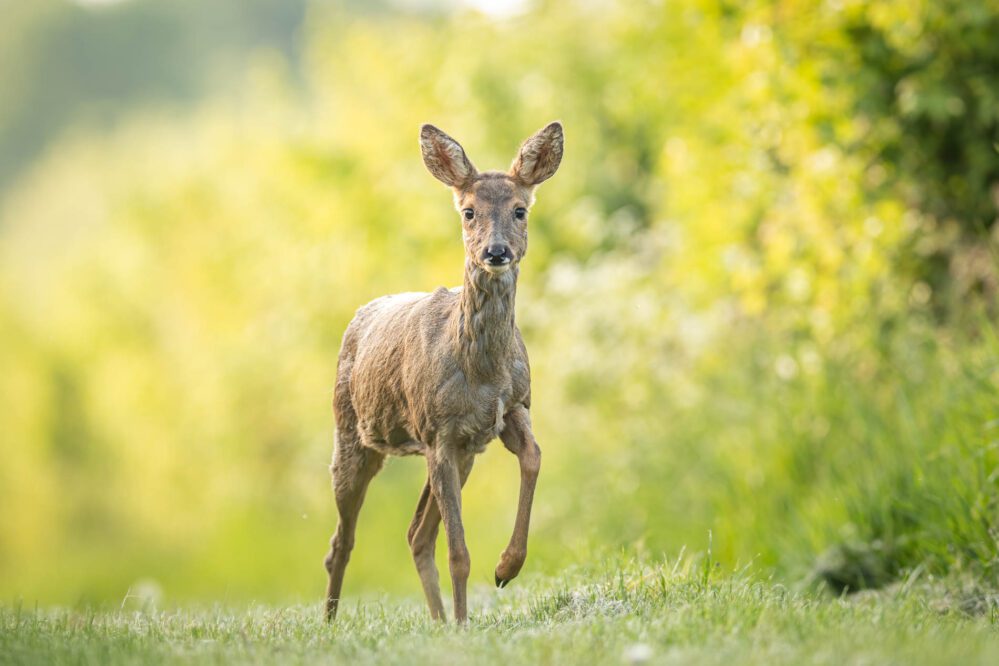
(710, 271)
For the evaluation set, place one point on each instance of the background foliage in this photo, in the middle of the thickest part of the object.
(760, 299)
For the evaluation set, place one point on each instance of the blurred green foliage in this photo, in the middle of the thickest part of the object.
(749, 313)
(64, 64)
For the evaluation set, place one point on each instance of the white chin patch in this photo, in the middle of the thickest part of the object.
(496, 270)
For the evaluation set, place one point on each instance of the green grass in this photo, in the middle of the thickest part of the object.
(617, 613)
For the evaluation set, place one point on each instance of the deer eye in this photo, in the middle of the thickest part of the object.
(520, 213)
(468, 213)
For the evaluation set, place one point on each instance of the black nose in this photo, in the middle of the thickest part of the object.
(498, 254)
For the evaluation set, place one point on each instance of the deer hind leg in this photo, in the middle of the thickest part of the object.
(353, 468)
(519, 440)
(423, 539)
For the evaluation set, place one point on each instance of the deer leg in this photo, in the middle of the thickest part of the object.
(445, 483)
(422, 541)
(519, 440)
(353, 468)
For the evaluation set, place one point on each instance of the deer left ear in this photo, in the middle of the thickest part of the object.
(445, 158)
(539, 157)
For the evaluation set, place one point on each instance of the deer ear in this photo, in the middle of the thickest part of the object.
(445, 158)
(539, 157)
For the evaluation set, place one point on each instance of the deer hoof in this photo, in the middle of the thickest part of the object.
(502, 582)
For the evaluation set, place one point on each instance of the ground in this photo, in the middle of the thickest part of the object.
(679, 613)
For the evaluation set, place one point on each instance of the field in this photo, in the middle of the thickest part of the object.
(761, 303)
(620, 612)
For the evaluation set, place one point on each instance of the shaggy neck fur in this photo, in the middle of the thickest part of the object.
(485, 330)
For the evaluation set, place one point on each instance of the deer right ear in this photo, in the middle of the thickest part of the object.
(539, 157)
(445, 158)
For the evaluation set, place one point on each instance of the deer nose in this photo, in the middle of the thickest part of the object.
(498, 254)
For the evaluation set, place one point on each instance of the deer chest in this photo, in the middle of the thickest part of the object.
(477, 418)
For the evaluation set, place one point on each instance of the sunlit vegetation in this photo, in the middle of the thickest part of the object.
(760, 304)
(608, 613)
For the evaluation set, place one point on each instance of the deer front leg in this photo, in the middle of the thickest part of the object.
(519, 440)
(445, 481)
(422, 537)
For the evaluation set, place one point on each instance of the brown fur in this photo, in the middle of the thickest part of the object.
(442, 374)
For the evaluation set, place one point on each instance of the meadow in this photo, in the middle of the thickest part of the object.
(760, 303)
(615, 612)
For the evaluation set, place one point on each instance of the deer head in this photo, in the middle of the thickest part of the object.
(493, 204)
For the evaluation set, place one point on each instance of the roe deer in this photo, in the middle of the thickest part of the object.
(442, 374)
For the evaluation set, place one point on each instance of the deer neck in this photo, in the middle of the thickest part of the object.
(485, 331)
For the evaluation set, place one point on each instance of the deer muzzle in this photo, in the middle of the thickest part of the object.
(497, 255)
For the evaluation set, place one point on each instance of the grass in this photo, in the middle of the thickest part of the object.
(616, 613)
